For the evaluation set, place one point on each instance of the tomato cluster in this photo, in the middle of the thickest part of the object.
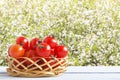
(48, 47)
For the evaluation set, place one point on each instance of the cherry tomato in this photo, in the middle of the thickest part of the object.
(43, 50)
(51, 41)
(16, 51)
(20, 61)
(53, 63)
(30, 54)
(61, 51)
(50, 61)
(41, 62)
(33, 43)
(23, 41)
(52, 52)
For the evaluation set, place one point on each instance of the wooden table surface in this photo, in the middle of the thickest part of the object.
(74, 73)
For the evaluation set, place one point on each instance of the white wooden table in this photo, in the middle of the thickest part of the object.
(74, 73)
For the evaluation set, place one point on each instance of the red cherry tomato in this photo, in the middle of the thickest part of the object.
(50, 61)
(53, 63)
(30, 54)
(43, 50)
(23, 41)
(20, 61)
(41, 62)
(33, 43)
(52, 52)
(16, 51)
(51, 41)
(61, 51)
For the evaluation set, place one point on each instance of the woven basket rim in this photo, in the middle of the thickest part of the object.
(37, 57)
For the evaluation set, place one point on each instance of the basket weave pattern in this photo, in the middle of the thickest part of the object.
(36, 67)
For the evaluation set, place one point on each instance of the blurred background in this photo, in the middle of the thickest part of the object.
(89, 28)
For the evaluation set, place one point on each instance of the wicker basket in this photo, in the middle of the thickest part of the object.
(36, 67)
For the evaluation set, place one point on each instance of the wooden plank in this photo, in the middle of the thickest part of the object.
(92, 69)
(69, 76)
(75, 73)
(84, 69)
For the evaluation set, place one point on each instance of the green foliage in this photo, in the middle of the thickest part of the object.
(89, 28)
